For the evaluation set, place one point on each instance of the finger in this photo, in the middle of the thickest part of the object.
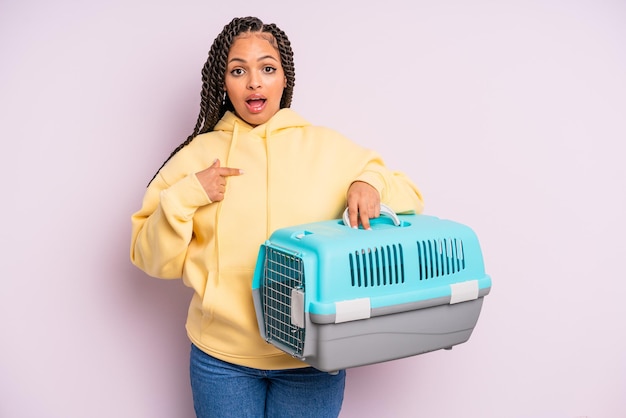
(353, 216)
(365, 220)
(375, 211)
(216, 163)
(227, 171)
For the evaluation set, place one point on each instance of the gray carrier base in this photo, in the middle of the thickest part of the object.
(332, 347)
(389, 337)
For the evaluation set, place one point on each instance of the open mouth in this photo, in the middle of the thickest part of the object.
(256, 104)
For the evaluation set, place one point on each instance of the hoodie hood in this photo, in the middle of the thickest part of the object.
(283, 119)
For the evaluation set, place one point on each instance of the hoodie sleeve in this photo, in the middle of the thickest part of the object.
(352, 162)
(162, 229)
(395, 188)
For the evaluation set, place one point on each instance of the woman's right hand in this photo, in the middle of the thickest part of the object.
(213, 180)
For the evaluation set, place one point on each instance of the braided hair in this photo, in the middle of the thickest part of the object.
(214, 101)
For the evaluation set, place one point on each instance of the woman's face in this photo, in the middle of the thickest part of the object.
(254, 79)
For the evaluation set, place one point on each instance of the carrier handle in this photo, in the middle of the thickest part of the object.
(384, 210)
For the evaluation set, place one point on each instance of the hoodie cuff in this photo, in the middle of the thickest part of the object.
(185, 196)
(373, 179)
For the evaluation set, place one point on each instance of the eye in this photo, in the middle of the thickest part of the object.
(269, 69)
(237, 71)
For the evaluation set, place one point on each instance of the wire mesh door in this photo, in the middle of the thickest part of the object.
(283, 276)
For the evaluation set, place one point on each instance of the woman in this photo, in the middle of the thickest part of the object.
(251, 166)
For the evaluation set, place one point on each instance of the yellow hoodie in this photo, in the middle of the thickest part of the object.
(294, 173)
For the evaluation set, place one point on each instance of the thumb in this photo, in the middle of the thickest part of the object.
(216, 163)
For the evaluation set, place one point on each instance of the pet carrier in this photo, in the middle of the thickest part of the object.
(337, 297)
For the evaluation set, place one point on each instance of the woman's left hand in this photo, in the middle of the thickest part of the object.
(363, 204)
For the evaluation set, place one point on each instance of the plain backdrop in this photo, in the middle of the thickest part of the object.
(509, 115)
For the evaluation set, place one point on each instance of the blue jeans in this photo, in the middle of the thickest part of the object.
(222, 389)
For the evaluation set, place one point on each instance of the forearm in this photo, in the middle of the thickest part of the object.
(396, 189)
(163, 228)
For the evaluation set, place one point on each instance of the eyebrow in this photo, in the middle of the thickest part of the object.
(259, 59)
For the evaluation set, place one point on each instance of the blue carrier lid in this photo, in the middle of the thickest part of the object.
(406, 262)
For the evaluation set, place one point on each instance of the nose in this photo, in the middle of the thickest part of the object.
(254, 82)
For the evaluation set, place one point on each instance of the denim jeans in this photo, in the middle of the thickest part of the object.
(223, 390)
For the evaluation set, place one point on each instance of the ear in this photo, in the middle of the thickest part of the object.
(285, 82)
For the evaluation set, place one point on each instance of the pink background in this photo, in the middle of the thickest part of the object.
(509, 115)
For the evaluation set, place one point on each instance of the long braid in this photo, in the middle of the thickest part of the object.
(214, 101)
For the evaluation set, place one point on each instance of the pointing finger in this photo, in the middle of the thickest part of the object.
(227, 171)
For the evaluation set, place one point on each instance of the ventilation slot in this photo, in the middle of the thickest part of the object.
(379, 266)
(283, 272)
(440, 257)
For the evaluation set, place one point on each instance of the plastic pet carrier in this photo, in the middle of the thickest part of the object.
(337, 297)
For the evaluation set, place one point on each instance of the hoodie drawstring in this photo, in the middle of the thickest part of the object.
(233, 143)
(267, 179)
(231, 149)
